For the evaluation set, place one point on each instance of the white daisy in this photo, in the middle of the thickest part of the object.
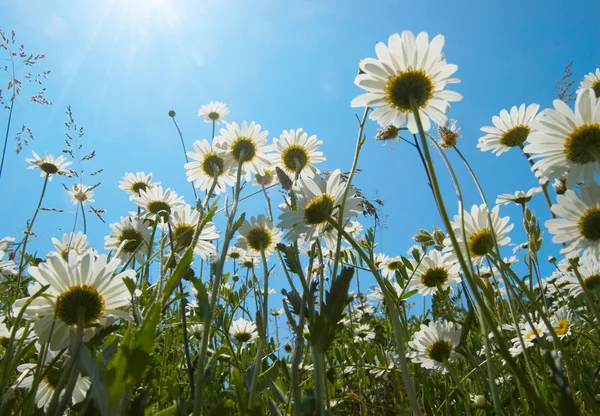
(268, 177)
(296, 153)
(235, 253)
(319, 200)
(6, 243)
(184, 222)
(249, 262)
(7, 267)
(215, 111)
(382, 366)
(510, 129)
(407, 68)
(567, 141)
(82, 290)
(47, 385)
(589, 270)
(591, 81)
(389, 265)
(245, 145)
(434, 271)
(519, 197)
(258, 235)
(158, 203)
(562, 322)
(133, 183)
(434, 345)
(478, 238)
(75, 242)
(579, 226)
(529, 334)
(129, 237)
(243, 330)
(196, 330)
(209, 161)
(49, 165)
(363, 333)
(81, 194)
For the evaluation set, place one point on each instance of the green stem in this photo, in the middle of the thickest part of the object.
(466, 271)
(27, 234)
(214, 295)
(393, 312)
(184, 152)
(83, 217)
(263, 337)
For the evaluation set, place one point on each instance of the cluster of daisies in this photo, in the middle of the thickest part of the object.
(78, 291)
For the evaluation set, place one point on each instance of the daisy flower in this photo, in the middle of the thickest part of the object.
(249, 262)
(567, 141)
(6, 243)
(579, 226)
(81, 194)
(72, 242)
(562, 322)
(478, 238)
(196, 329)
(258, 235)
(363, 333)
(245, 145)
(382, 366)
(519, 197)
(215, 111)
(389, 265)
(243, 330)
(133, 183)
(319, 200)
(184, 222)
(82, 291)
(449, 134)
(129, 237)
(509, 130)
(235, 253)
(434, 271)
(295, 153)
(209, 161)
(530, 334)
(49, 165)
(158, 203)
(7, 267)
(589, 270)
(591, 81)
(406, 69)
(277, 312)
(47, 385)
(268, 177)
(435, 345)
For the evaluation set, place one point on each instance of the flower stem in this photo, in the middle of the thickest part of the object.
(393, 312)
(27, 234)
(184, 152)
(263, 338)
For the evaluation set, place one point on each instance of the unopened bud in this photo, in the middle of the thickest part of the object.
(387, 133)
(560, 185)
(171, 113)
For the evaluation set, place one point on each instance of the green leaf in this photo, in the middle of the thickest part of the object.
(323, 330)
(290, 257)
(202, 297)
(273, 409)
(182, 267)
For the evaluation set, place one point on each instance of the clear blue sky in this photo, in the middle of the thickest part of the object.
(123, 64)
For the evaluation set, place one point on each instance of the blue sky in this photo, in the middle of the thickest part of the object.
(123, 65)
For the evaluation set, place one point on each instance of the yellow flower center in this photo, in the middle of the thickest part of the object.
(242, 336)
(592, 282)
(407, 85)
(583, 144)
(295, 158)
(184, 234)
(562, 327)
(481, 243)
(596, 88)
(138, 187)
(160, 208)
(243, 149)
(439, 351)
(533, 334)
(318, 210)
(589, 224)
(515, 136)
(81, 300)
(434, 277)
(213, 165)
(48, 167)
(258, 239)
(213, 115)
(134, 239)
